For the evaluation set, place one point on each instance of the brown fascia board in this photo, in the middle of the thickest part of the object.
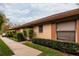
(53, 18)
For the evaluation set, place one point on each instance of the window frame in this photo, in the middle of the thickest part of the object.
(40, 28)
(66, 31)
(66, 39)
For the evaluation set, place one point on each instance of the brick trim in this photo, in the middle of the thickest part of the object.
(77, 31)
(53, 31)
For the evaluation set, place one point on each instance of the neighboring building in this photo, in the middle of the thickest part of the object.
(62, 26)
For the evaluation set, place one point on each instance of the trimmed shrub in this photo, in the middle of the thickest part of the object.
(62, 46)
(14, 32)
(25, 33)
(9, 34)
(20, 36)
(30, 33)
(17, 36)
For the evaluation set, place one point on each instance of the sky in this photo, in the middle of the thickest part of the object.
(20, 13)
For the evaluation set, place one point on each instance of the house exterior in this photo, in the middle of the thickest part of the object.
(62, 26)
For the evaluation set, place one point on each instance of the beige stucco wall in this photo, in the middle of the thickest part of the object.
(46, 31)
(20, 30)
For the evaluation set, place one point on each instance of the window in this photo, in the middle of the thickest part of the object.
(66, 31)
(40, 28)
(66, 35)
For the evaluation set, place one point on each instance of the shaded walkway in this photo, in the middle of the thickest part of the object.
(20, 49)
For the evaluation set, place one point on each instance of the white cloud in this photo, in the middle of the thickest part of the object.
(21, 13)
(55, 6)
(11, 8)
(50, 9)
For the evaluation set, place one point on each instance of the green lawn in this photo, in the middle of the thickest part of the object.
(13, 39)
(4, 49)
(45, 50)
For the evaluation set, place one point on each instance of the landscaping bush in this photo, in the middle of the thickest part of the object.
(59, 45)
(30, 33)
(17, 36)
(20, 36)
(14, 32)
(9, 34)
(25, 33)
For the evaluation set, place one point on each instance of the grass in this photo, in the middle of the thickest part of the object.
(13, 39)
(4, 49)
(45, 50)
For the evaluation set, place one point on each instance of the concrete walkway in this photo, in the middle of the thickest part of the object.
(20, 49)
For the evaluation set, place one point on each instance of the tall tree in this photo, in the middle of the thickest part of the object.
(2, 19)
(5, 26)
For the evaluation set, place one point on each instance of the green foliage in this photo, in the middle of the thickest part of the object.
(17, 36)
(4, 49)
(25, 33)
(1, 20)
(30, 33)
(9, 34)
(15, 39)
(62, 46)
(45, 50)
(20, 36)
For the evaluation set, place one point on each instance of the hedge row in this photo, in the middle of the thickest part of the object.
(17, 36)
(10, 34)
(21, 36)
(62, 46)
